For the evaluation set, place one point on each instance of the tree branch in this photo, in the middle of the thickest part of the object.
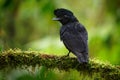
(18, 58)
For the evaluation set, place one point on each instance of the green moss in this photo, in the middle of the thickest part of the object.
(18, 58)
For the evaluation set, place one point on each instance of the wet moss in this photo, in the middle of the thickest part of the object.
(18, 58)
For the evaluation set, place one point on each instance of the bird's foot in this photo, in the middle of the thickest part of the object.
(66, 56)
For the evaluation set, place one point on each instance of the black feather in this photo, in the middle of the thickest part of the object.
(73, 34)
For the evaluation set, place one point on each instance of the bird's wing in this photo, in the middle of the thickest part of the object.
(82, 32)
(75, 38)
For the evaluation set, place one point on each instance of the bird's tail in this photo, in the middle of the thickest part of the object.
(83, 57)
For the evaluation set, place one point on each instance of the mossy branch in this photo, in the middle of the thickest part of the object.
(18, 58)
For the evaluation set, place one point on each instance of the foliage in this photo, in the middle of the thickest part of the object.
(43, 73)
(24, 23)
(27, 24)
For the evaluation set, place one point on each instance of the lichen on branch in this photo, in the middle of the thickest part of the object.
(18, 58)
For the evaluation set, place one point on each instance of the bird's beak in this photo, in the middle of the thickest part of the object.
(56, 19)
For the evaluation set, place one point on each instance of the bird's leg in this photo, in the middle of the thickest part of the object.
(68, 54)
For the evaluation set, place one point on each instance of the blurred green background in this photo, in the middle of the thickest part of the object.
(27, 24)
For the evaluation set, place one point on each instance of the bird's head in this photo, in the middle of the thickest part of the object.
(64, 16)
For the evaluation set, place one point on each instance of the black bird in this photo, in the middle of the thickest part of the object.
(73, 34)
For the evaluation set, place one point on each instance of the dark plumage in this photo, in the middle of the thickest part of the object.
(73, 34)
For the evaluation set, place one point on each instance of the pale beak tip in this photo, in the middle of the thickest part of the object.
(56, 19)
